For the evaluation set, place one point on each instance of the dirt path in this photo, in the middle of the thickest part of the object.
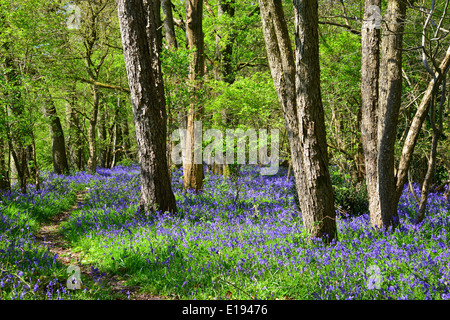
(50, 236)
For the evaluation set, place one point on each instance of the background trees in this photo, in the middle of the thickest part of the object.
(77, 76)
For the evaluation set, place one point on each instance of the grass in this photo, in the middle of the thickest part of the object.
(225, 244)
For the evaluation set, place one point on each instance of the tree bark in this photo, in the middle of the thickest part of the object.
(225, 50)
(92, 161)
(4, 172)
(169, 29)
(381, 101)
(297, 83)
(149, 113)
(59, 156)
(75, 140)
(317, 201)
(414, 129)
(390, 92)
(370, 67)
(16, 134)
(193, 172)
(102, 138)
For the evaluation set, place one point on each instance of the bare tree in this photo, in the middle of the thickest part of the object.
(435, 114)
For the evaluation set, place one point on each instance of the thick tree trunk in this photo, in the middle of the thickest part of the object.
(317, 200)
(297, 83)
(193, 172)
(16, 137)
(126, 139)
(149, 113)
(225, 53)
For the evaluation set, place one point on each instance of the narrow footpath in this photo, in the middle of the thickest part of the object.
(49, 235)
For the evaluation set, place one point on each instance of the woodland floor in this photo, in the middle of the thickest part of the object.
(49, 235)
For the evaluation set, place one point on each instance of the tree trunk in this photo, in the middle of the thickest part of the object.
(381, 101)
(149, 113)
(169, 28)
(370, 65)
(59, 157)
(75, 140)
(172, 45)
(414, 129)
(297, 83)
(390, 92)
(4, 172)
(226, 49)
(317, 200)
(92, 141)
(102, 138)
(193, 172)
(33, 156)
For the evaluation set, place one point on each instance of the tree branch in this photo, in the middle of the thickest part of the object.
(104, 85)
(348, 27)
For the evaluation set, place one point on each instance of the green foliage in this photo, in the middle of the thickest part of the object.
(125, 162)
(350, 197)
(249, 102)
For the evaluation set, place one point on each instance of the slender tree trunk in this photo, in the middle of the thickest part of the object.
(226, 49)
(414, 129)
(156, 7)
(149, 113)
(169, 28)
(223, 67)
(92, 161)
(172, 45)
(4, 172)
(370, 67)
(193, 172)
(102, 138)
(33, 156)
(59, 157)
(16, 134)
(390, 91)
(75, 140)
